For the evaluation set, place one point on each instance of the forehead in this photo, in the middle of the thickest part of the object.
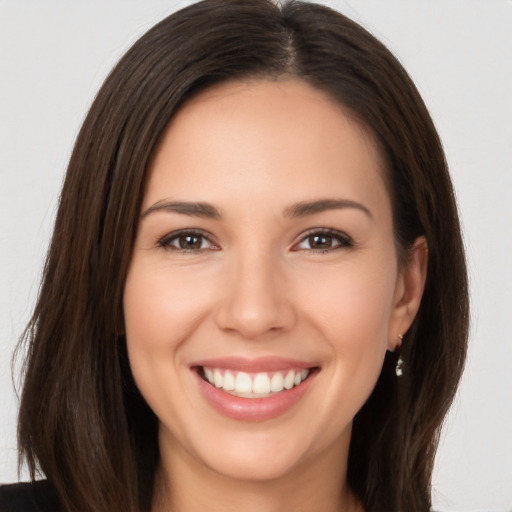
(283, 140)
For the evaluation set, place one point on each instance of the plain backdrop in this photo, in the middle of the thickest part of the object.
(54, 56)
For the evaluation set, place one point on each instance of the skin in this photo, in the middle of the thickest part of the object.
(258, 286)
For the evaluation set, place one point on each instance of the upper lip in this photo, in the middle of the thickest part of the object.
(253, 365)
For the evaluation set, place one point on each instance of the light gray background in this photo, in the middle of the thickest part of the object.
(54, 56)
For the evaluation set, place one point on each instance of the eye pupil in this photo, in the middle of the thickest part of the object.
(320, 242)
(190, 242)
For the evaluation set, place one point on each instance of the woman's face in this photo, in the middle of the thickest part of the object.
(265, 263)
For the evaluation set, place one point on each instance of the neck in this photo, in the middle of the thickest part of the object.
(185, 485)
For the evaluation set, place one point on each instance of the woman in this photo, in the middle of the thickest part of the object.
(255, 295)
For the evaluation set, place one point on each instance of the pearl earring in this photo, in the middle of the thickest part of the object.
(399, 365)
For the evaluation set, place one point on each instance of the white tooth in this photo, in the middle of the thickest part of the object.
(304, 373)
(229, 382)
(208, 374)
(288, 380)
(217, 378)
(261, 384)
(277, 382)
(243, 383)
(297, 380)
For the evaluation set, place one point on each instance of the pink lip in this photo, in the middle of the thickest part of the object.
(252, 409)
(261, 364)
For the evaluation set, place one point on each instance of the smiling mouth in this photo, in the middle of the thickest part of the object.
(254, 385)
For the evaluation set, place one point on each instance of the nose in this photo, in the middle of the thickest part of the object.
(256, 299)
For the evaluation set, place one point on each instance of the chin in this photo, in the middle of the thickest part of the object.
(256, 465)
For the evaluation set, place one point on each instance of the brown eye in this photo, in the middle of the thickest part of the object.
(324, 240)
(187, 241)
(190, 242)
(320, 241)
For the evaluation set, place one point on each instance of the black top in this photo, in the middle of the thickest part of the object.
(37, 496)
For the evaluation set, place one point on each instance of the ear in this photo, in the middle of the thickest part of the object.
(408, 292)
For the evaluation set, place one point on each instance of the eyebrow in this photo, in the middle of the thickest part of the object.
(311, 207)
(204, 210)
(301, 209)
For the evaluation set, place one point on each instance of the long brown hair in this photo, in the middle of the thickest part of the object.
(82, 421)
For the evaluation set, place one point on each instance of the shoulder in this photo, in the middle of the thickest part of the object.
(38, 496)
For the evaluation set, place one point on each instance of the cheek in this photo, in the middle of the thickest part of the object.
(351, 311)
(156, 321)
(146, 328)
(164, 308)
(159, 313)
(160, 307)
(351, 304)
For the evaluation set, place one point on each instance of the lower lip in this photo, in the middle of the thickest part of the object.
(253, 409)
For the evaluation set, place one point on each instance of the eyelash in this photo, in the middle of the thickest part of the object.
(166, 241)
(343, 240)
